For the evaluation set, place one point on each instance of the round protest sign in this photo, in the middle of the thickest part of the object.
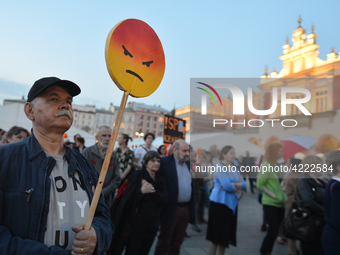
(135, 57)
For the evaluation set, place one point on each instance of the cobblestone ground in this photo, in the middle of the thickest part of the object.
(249, 236)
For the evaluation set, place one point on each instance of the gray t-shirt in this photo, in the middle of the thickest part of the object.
(69, 205)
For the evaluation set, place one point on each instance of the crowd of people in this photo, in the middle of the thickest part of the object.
(149, 192)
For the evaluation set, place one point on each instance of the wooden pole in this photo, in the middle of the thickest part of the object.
(106, 162)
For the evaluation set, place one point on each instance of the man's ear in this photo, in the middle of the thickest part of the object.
(29, 111)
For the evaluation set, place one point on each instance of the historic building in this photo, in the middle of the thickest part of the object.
(148, 119)
(301, 68)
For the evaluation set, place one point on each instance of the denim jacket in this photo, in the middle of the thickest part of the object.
(25, 196)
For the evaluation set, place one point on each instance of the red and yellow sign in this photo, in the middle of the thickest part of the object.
(135, 57)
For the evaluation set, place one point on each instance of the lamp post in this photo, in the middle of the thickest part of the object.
(139, 134)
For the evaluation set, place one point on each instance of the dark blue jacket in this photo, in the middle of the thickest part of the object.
(25, 196)
(169, 172)
(331, 232)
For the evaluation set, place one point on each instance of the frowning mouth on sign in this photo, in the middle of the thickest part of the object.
(135, 74)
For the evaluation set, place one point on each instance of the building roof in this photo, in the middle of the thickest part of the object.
(103, 111)
(127, 109)
(150, 107)
(22, 101)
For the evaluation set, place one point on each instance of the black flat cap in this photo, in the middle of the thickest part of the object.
(47, 82)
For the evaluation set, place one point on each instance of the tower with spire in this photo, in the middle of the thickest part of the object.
(303, 53)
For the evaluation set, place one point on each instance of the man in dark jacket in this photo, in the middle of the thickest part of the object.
(45, 186)
(249, 162)
(96, 154)
(180, 209)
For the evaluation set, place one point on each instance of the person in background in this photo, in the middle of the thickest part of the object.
(331, 203)
(222, 223)
(199, 182)
(215, 154)
(210, 177)
(125, 156)
(311, 192)
(264, 220)
(4, 139)
(135, 211)
(193, 165)
(162, 150)
(96, 154)
(180, 209)
(327, 175)
(248, 161)
(142, 150)
(74, 139)
(69, 144)
(205, 177)
(16, 134)
(273, 197)
(170, 150)
(2, 132)
(238, 161)
(80, 144)
(291, 181)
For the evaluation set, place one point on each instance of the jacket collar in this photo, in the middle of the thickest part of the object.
(174, 159)
(35, 150)
(33, 147)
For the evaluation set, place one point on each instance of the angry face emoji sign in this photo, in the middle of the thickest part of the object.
(134, 57)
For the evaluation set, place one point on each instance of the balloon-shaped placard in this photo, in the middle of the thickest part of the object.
(134, 57)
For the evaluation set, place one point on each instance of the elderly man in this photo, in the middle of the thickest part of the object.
(180, 209)
(45, 186)
(96, 154)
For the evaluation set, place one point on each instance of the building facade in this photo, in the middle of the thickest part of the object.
(128, 121)
(104, 117)
(148, 119)
(84, 117)
(301, 68)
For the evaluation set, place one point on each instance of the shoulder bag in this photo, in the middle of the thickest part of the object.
(299, 224)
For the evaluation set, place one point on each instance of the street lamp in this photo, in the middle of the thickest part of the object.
(139, 134)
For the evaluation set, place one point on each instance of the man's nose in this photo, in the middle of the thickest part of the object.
(64, 105)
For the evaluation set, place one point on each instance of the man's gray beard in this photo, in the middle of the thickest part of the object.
(104, 146)
(182, 160)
